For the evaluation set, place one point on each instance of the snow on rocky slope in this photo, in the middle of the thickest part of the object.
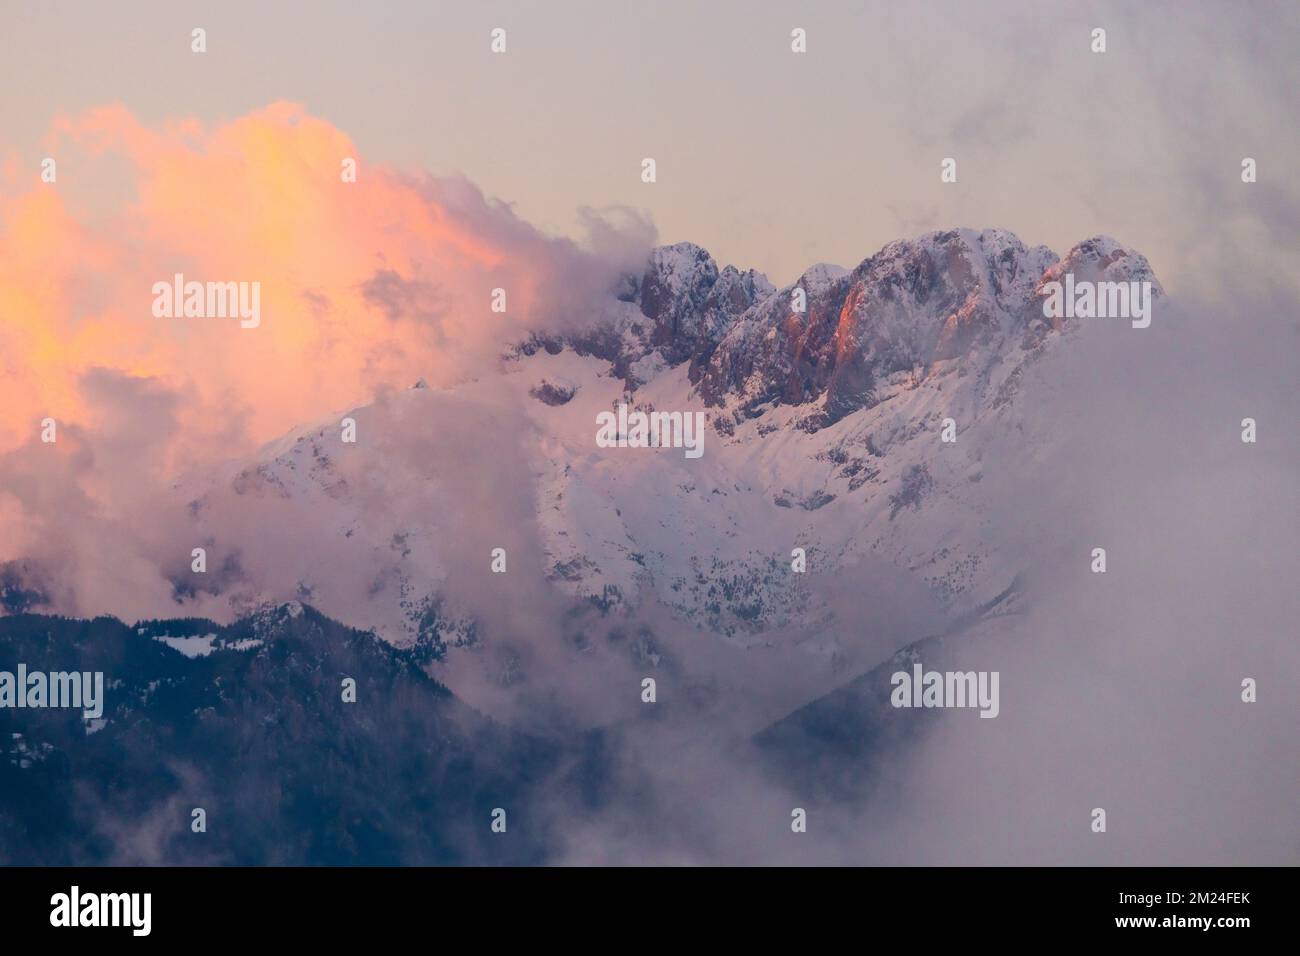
(823, 434)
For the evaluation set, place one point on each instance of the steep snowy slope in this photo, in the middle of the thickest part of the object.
(823, 433)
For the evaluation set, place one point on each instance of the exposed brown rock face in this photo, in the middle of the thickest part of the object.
(962, 295)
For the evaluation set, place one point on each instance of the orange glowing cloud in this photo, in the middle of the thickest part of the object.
(363, 285)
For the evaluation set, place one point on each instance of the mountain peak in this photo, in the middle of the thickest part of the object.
(1105, 259)
(940, 296)
(691, 303)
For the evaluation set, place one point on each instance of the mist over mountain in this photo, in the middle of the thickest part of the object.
(826, 403)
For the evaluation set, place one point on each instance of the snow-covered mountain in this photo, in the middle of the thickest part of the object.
(823, 434)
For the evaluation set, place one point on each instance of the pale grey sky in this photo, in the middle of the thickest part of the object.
(769, 159)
